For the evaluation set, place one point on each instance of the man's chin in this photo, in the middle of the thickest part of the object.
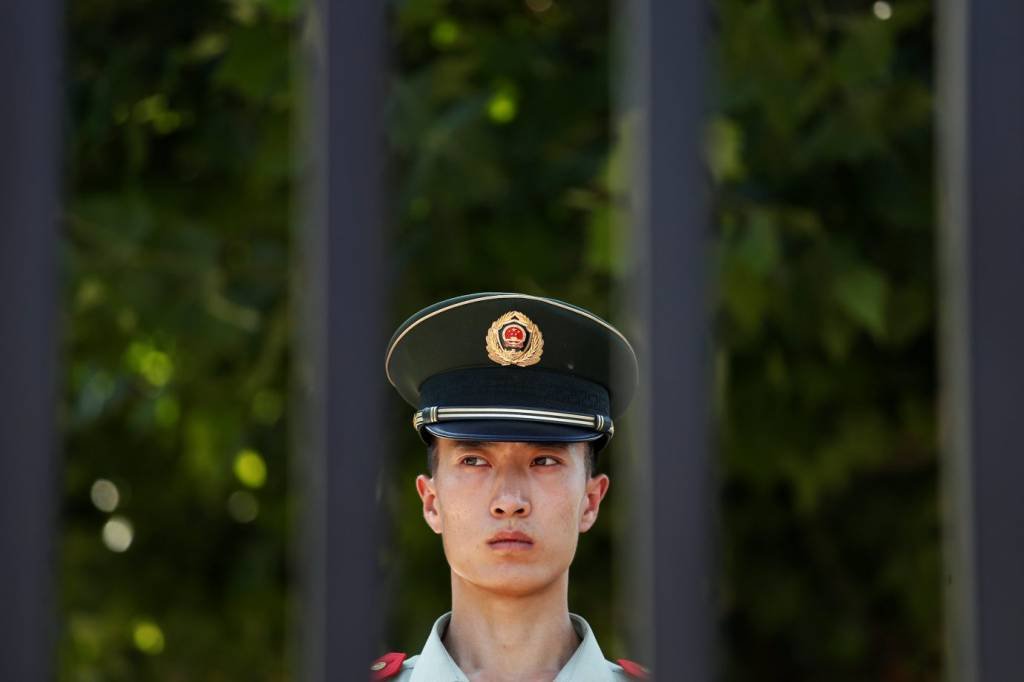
(515, 581)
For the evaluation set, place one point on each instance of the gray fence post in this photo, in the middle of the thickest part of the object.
(666, 77)
(30, 59)
(341, 374)
(981, 117)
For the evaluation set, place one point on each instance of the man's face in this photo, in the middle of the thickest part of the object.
(509, 514)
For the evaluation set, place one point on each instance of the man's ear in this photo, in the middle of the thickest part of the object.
(597, 488)
(428, 495)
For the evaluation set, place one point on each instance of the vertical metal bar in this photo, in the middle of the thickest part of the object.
(345, 315)
(671, 207)
(982, 145)
(30, 50)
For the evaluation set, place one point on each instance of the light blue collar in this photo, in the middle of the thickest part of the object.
(435, 664)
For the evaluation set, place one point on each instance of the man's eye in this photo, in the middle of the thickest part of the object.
(546, 461)
(474, 461)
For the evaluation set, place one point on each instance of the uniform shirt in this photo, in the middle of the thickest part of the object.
(435, 664)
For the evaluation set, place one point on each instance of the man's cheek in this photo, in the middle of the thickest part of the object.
(455, 528)
(567, 518)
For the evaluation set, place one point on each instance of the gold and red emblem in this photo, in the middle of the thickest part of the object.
(513, 339)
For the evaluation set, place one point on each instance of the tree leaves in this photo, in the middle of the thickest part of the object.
(508, 172)
(863, 294)
(825, 337)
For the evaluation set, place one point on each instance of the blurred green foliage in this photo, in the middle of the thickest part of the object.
(180, 179)
(182, 186)
(826, 349)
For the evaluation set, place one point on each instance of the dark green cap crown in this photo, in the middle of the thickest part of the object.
(508, 366)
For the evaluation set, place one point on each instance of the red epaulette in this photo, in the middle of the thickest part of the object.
(387, 666)
(632, 668)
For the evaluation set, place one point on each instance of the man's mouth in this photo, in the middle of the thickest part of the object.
(510, 540)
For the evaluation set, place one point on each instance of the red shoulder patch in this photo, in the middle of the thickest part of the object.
(387, 666)
(632, 668)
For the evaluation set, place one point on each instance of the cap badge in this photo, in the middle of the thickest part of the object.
(514, 339)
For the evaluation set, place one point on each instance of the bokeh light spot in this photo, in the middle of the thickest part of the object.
(250, 469)
(209, 45)
(148, 637)
(118, 534)
(155, 111)
(539, 5)
(105, 495)
(444, 34)
(882, 10)
(243, 506)
(503, 106)
(157, 368)
(153, 365)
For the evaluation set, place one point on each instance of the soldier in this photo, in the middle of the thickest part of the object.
(514, 397)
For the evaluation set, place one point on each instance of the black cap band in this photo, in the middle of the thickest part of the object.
(549, 400)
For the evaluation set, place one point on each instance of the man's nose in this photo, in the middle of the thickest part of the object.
(510, 504)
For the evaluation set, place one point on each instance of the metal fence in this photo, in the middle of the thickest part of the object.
(665, 43)
(30, 106)
(981, 117)
(982, 144)
(345, 318)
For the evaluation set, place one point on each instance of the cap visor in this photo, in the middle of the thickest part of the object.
(511, 431)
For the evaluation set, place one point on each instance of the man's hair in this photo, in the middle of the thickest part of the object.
(590, 457)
